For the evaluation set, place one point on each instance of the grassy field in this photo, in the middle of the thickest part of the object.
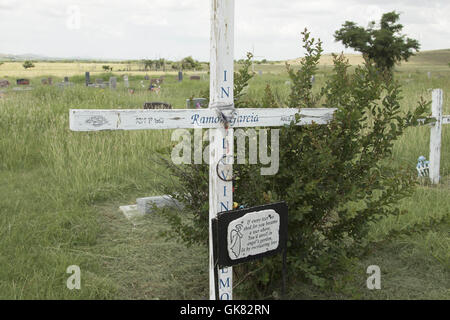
(60, 192)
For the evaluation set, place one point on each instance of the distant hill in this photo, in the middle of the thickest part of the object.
(433, 57)
(22, 57)
(35, 57)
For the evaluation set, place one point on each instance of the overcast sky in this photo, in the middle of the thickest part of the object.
(173, 29)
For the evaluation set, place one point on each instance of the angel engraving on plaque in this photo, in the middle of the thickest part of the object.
(236, 237)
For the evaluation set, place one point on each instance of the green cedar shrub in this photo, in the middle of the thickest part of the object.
(337, 179)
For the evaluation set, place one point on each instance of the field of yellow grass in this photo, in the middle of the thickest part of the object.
(429, 60)
(65, 69)
(434, 58)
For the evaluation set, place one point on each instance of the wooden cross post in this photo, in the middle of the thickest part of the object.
(221, 139)
(436, 135)
(220, 116)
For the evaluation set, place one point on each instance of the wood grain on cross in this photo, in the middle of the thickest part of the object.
(221, 135)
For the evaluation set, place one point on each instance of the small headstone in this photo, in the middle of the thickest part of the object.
(157, 105)
(97, 85)
(196, 103)
(4, 83)
(125, 80)
(260, 72)
(50, 81)
(131, 212)
(180, 76)
(113, 83)
(23, 82)
(146, 205)
(99, 81)
(88, 78)
(197, 78)
(429, 75)
(146, 78)
(66, 79)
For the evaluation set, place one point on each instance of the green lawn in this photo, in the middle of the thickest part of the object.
(60, 192)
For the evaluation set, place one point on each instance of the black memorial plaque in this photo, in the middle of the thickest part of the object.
(250, 234)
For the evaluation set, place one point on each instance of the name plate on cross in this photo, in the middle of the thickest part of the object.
(135, 119)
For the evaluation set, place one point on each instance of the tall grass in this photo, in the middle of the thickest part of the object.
(50, 177)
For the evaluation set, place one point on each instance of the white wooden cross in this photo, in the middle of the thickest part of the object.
(221, 138)
(436, 135)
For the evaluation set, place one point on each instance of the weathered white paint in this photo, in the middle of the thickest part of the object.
(221, 139)
(436, 137)
(100, 120)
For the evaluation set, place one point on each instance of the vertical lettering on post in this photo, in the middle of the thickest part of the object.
(221, 140)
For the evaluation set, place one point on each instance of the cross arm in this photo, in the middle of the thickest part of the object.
(136, 119)
(446, 120)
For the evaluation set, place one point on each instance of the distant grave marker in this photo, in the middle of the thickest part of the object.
(180, 76)
(22, 89)
(98, 84)
(47, 81)
(4, 83)
(87, 78)
(196, 103)
(23, 82)
(113, 83)
(157, 106)
(125, 80)
(146, 205)
(196, 78)
(155, 81)
(65, 83)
